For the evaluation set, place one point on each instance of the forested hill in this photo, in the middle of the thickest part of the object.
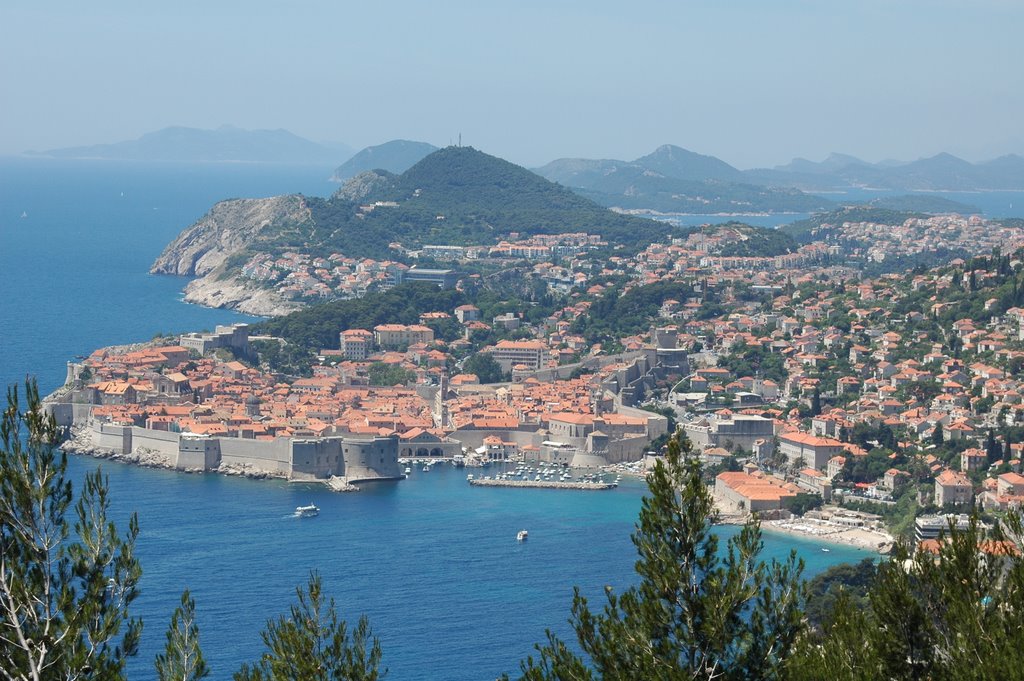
(456, 195)
(461, 195)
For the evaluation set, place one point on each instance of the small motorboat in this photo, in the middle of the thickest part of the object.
(521, 535)
(310, 511)
(826, 550)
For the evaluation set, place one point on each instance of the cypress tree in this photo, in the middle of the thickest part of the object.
(992, 449)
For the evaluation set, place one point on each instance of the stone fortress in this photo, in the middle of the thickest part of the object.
(355, 459)
(351, 458)
(133, 415)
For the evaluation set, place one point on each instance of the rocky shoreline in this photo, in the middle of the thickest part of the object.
(231, 294)
(206, 248)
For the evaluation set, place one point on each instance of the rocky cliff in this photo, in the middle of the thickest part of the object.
(237, 294)
(231, 227)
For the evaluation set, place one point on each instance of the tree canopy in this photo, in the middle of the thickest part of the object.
(312, 644)
(695, 613)
(66, 576)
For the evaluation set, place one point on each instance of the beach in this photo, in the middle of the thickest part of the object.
(869, 539)
(823, 530)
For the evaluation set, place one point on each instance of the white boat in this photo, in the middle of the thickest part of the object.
(521, 535)
(826, 550)
(426, 468)
(469, 477)
(307, 511)
(408, 470)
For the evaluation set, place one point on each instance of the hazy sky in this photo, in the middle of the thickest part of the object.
(755, 82)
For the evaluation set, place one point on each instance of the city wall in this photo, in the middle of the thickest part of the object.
(356, 459)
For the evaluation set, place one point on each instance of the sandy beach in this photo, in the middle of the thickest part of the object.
(810, 528)
(823, 530)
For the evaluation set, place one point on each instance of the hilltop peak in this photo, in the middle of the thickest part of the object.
(835, 161)
(944, 157)
(683, 164)
(395, 156)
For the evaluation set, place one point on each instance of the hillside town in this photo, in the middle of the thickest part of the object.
(805, 387)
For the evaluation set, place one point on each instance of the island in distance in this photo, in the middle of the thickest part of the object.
(224, 144)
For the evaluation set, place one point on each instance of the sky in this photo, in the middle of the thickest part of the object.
(753, 82)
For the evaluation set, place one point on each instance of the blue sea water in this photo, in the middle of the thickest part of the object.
(432, 561)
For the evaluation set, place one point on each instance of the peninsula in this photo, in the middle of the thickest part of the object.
(856, 369)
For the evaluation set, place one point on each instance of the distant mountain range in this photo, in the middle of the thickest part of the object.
(669, 179)
(936, 173)
(395, 156)
(225, 144)
(674, 180)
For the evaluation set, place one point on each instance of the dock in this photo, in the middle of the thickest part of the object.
(545, 484)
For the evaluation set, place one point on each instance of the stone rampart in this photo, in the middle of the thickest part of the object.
(268, 456)
(159, 441)
(117, 439)
(371, 459)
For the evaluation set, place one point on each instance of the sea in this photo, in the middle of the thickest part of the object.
(431, 561)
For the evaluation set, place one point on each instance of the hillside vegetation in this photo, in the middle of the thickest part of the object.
(804, 230)
(456, 195)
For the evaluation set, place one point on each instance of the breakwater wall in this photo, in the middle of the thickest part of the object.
(616, 451)
(545, 484)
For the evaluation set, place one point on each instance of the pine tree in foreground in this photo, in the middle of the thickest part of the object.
(953, 612)
(312, 644)
(695, 614)
(182, 659)
(64, 589)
